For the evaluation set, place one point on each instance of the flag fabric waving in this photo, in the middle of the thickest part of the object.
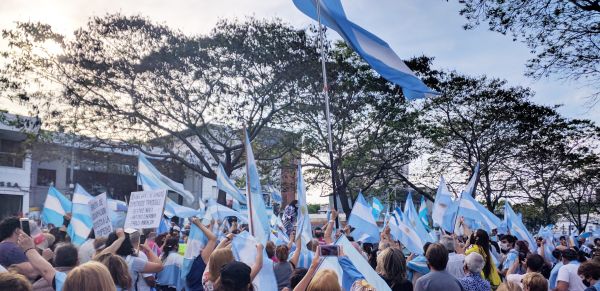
(81, 221)
(423, 213)
(244, 250)
(151, 179)
(412, 218)
(257, 211)
(174, 209)
(361, 218)
(225, 184)
(517, 228)
(444, 208)
(472, 210)
(304, 226)
(371, 48)
(220, 212)
(401, 230)
(377, 208)
(55, 207)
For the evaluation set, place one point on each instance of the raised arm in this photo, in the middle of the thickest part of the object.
(154, 264)
(259, 262)
(212, 239)
(303, 284)
(329, 227)
(116, 244)
(296, 255)
(37, 261)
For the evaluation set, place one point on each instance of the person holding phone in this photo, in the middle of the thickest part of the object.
(10, 252)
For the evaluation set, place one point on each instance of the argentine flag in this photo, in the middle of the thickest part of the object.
(196, 242)
(220, 212)
(244, 250)
(257, 211)
(444, 208)
(371, 48)
(412, 217)
(361, 218)
(151, 179)
(517, 228)
(55, 207)
(472, 210)
(402, 230)
(117, 212)
(276, 195)
(377, 208)
(81, 222)
(304, 226)
(423, 213)
(226, 185)
(174, 209)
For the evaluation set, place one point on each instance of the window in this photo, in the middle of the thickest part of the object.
(11, 153)
(46, 177)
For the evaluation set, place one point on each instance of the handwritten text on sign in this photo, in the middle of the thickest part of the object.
(100, 218)
(145, 209)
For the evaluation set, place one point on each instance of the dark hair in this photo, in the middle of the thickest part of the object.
(270, 249)
(511, 239)
(282, 252)
(293, 203)
(297, 276)
(483, 241)
(570, 255)
(589, 269)
(596, 240)
(523, 247)
(557, 254)
(170, 245)
(126, 248)
(65, 255)
(437, 256)
(535, 262)
(8, 227)
(426, 246)
(562, 237)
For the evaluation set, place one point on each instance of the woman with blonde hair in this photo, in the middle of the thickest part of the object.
(118, 270)
(14, 282)
(219, 258)
(509, 286)
(534, 282)
(91, 276)
(325, 280)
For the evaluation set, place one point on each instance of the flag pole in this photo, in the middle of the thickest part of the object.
(327, 115)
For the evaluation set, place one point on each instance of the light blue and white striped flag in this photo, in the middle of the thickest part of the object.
(371, 48)
(225, 184)
(361, 218)
(423, 213)
(402, 231)
(151, 179)
(304, 227)
(117, 212)
(472, 210)
(412, 217)
(444, 208)
(196, 242)
(220, 212)
(276, 195)
(244, 250)
(55, 207)
(174, 209)
(81, 222)
(258, 218)
(171, 274)
(517, 228)
(377, 208)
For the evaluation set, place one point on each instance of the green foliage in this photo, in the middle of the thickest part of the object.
(313, 208)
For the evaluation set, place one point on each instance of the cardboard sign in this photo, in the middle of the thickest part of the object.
(145, 209)
(100, 218)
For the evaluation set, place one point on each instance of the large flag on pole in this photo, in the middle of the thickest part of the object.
(473, 211)
(81, 221)
(220, 212)
(151, 179)
(55, 207)
(257, 211)
(516, 226)
(423, 213)
(244, 250)
(412, 217)
(304, 226)
(444, 208)
(174, 209)
(377, 208)
(402, 230)
(371, 48)
(361, 218)
(225, 184)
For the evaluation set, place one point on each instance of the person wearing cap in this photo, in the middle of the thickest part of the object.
(567, 278)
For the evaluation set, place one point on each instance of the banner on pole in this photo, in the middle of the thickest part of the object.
(99, 211)
(145, 209)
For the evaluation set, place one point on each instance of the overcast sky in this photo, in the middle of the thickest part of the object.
(411, 27)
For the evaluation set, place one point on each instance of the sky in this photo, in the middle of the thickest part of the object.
(411, 27)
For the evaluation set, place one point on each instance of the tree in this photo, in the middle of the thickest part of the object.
(145, 86)
(554, 146)
(373, 127)
(563, 35)
(476, 119)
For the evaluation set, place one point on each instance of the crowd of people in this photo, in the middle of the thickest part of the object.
(145, 260)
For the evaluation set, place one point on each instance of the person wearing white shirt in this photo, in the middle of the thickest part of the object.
(534, 263)
(456, 261)
(567, 278)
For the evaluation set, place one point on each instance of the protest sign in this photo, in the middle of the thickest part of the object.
(145, 209)
(99, 211)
